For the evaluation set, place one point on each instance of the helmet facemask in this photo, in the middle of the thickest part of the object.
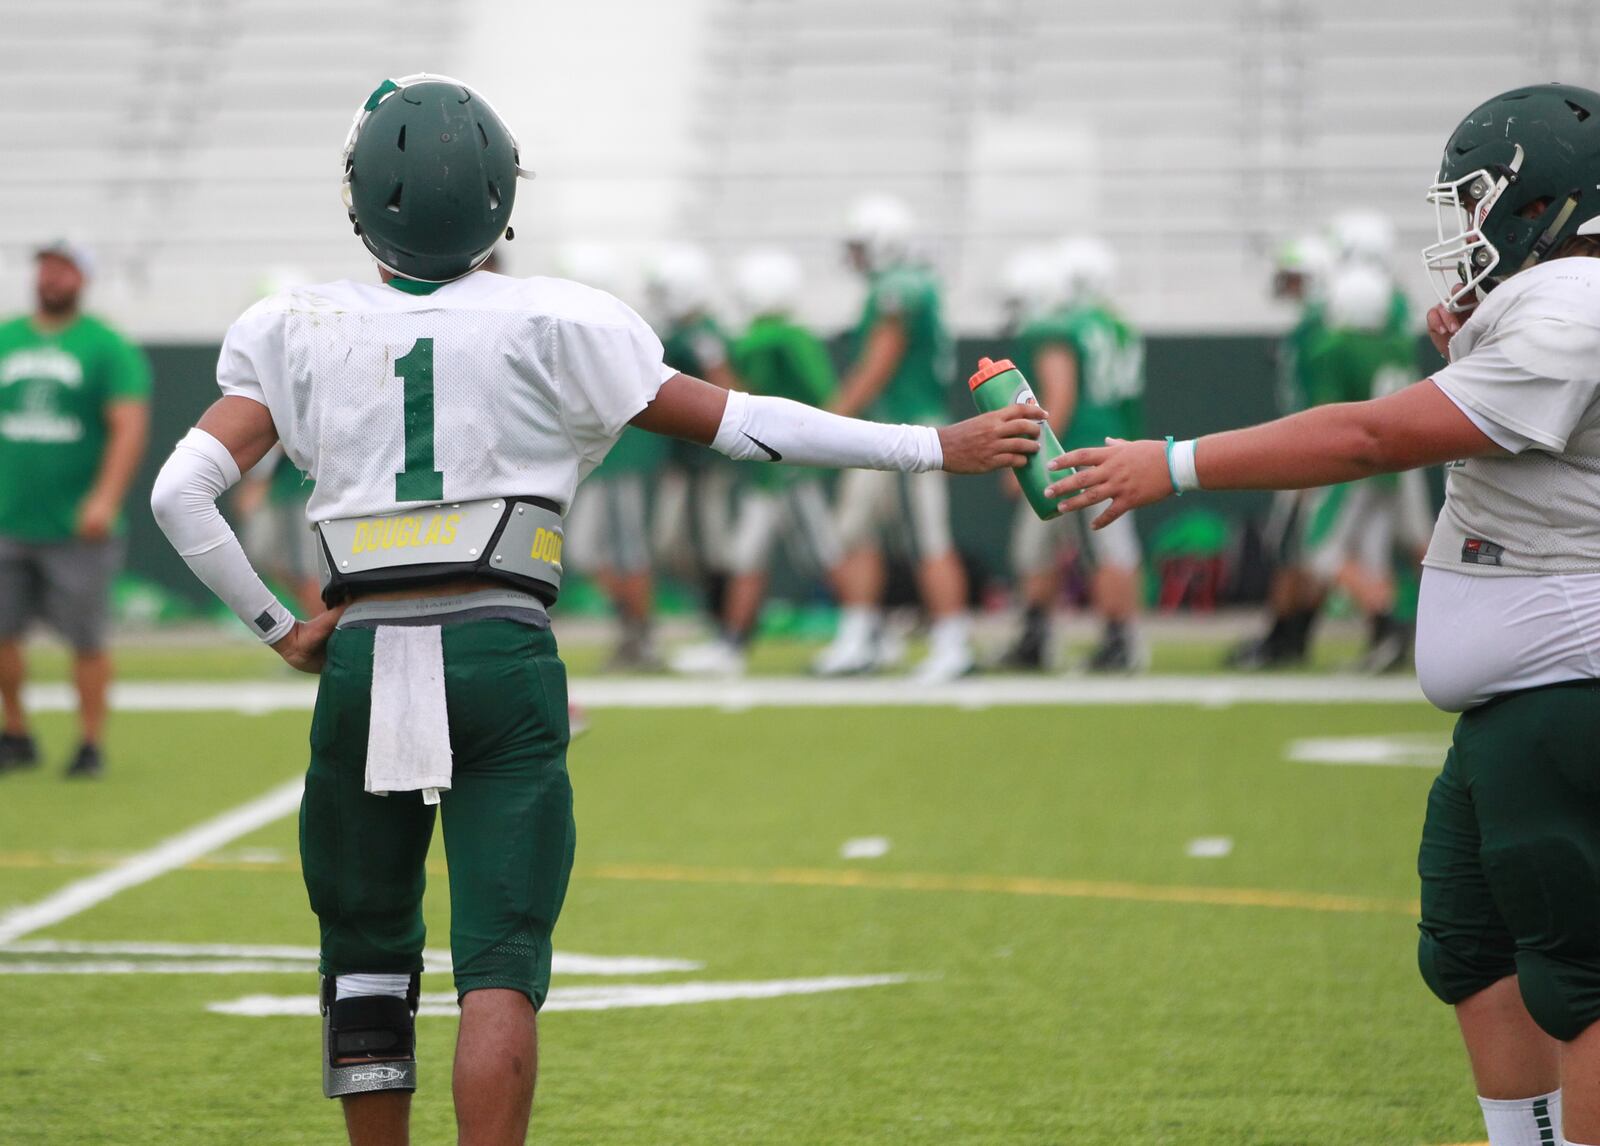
(1463, 259)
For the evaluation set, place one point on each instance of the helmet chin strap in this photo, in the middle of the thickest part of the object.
(1548, 239)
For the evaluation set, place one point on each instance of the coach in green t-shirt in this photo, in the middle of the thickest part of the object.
(73, 423)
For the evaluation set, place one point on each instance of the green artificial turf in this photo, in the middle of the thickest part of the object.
(1074, 975)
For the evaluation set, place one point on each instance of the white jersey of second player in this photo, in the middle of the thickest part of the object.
(1526, 368)
(488, 386)
(1511, 589)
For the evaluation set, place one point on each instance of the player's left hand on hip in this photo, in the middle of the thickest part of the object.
(1127, 474)
(1000, 439)
(305, 647)
(96, 517)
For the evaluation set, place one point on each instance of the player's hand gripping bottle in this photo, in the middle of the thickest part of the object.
(1000, 384)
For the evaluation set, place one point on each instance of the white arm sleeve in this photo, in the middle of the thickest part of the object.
(184, 501)
(756, 428)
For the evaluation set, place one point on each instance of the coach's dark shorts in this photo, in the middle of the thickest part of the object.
(1510, 857)
(66, 584)
(508, 829)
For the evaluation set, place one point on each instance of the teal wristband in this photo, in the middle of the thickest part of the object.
(1171, 475)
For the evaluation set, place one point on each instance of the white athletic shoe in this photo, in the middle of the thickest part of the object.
(945, 664)
(848, 655)
(890, 651)
(713, 658)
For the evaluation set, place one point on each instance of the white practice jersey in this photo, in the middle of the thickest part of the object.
(1511, 595)
(488, 386)
(1526, 368)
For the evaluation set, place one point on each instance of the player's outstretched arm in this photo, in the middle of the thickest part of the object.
(880, 358)
(755, 428)
(232, 436)
(1418, 426)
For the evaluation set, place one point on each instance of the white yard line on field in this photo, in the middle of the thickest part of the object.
(258, 697)
(157, 967)
(592, 998)
(170, 853)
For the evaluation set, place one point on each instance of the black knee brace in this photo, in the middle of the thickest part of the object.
(368, 1041)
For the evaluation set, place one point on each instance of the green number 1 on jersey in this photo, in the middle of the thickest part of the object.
(419, 481)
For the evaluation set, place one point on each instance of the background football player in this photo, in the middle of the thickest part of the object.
(902, 370)
(779, 357)
(1363, 352)
(1087, 368)
(610, 534)
(693, 529)
(1299, 278)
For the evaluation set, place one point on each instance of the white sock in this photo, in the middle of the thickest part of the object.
(857, 623)
(1523, 1121)
(347, 986)
(950, 632)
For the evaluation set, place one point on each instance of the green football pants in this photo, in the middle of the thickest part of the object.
(1510, 856)
(508, 828)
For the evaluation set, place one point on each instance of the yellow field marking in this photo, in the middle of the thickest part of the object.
(870, 880)
(1006, 885)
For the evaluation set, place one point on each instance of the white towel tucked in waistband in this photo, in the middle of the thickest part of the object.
(408, 743)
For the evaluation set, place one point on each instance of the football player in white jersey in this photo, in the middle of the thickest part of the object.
(1510, 608)
(446, 414)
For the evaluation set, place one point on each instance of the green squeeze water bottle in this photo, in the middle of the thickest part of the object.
(1000, 384)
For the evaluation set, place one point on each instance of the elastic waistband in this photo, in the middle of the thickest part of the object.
(480, 605)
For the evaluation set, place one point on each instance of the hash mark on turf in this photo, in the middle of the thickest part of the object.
(1401, 750)
(865, 848)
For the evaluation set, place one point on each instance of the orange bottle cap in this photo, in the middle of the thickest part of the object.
(987, 369)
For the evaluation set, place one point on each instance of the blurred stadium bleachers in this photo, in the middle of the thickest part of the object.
(194, 142)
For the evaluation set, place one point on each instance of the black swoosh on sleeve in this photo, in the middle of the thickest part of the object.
(770, 452)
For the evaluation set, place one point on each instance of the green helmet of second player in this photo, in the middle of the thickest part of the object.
(1520, 176)
(430, 177)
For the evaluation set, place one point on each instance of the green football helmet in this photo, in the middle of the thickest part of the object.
(430, 177)
(1530, 145)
